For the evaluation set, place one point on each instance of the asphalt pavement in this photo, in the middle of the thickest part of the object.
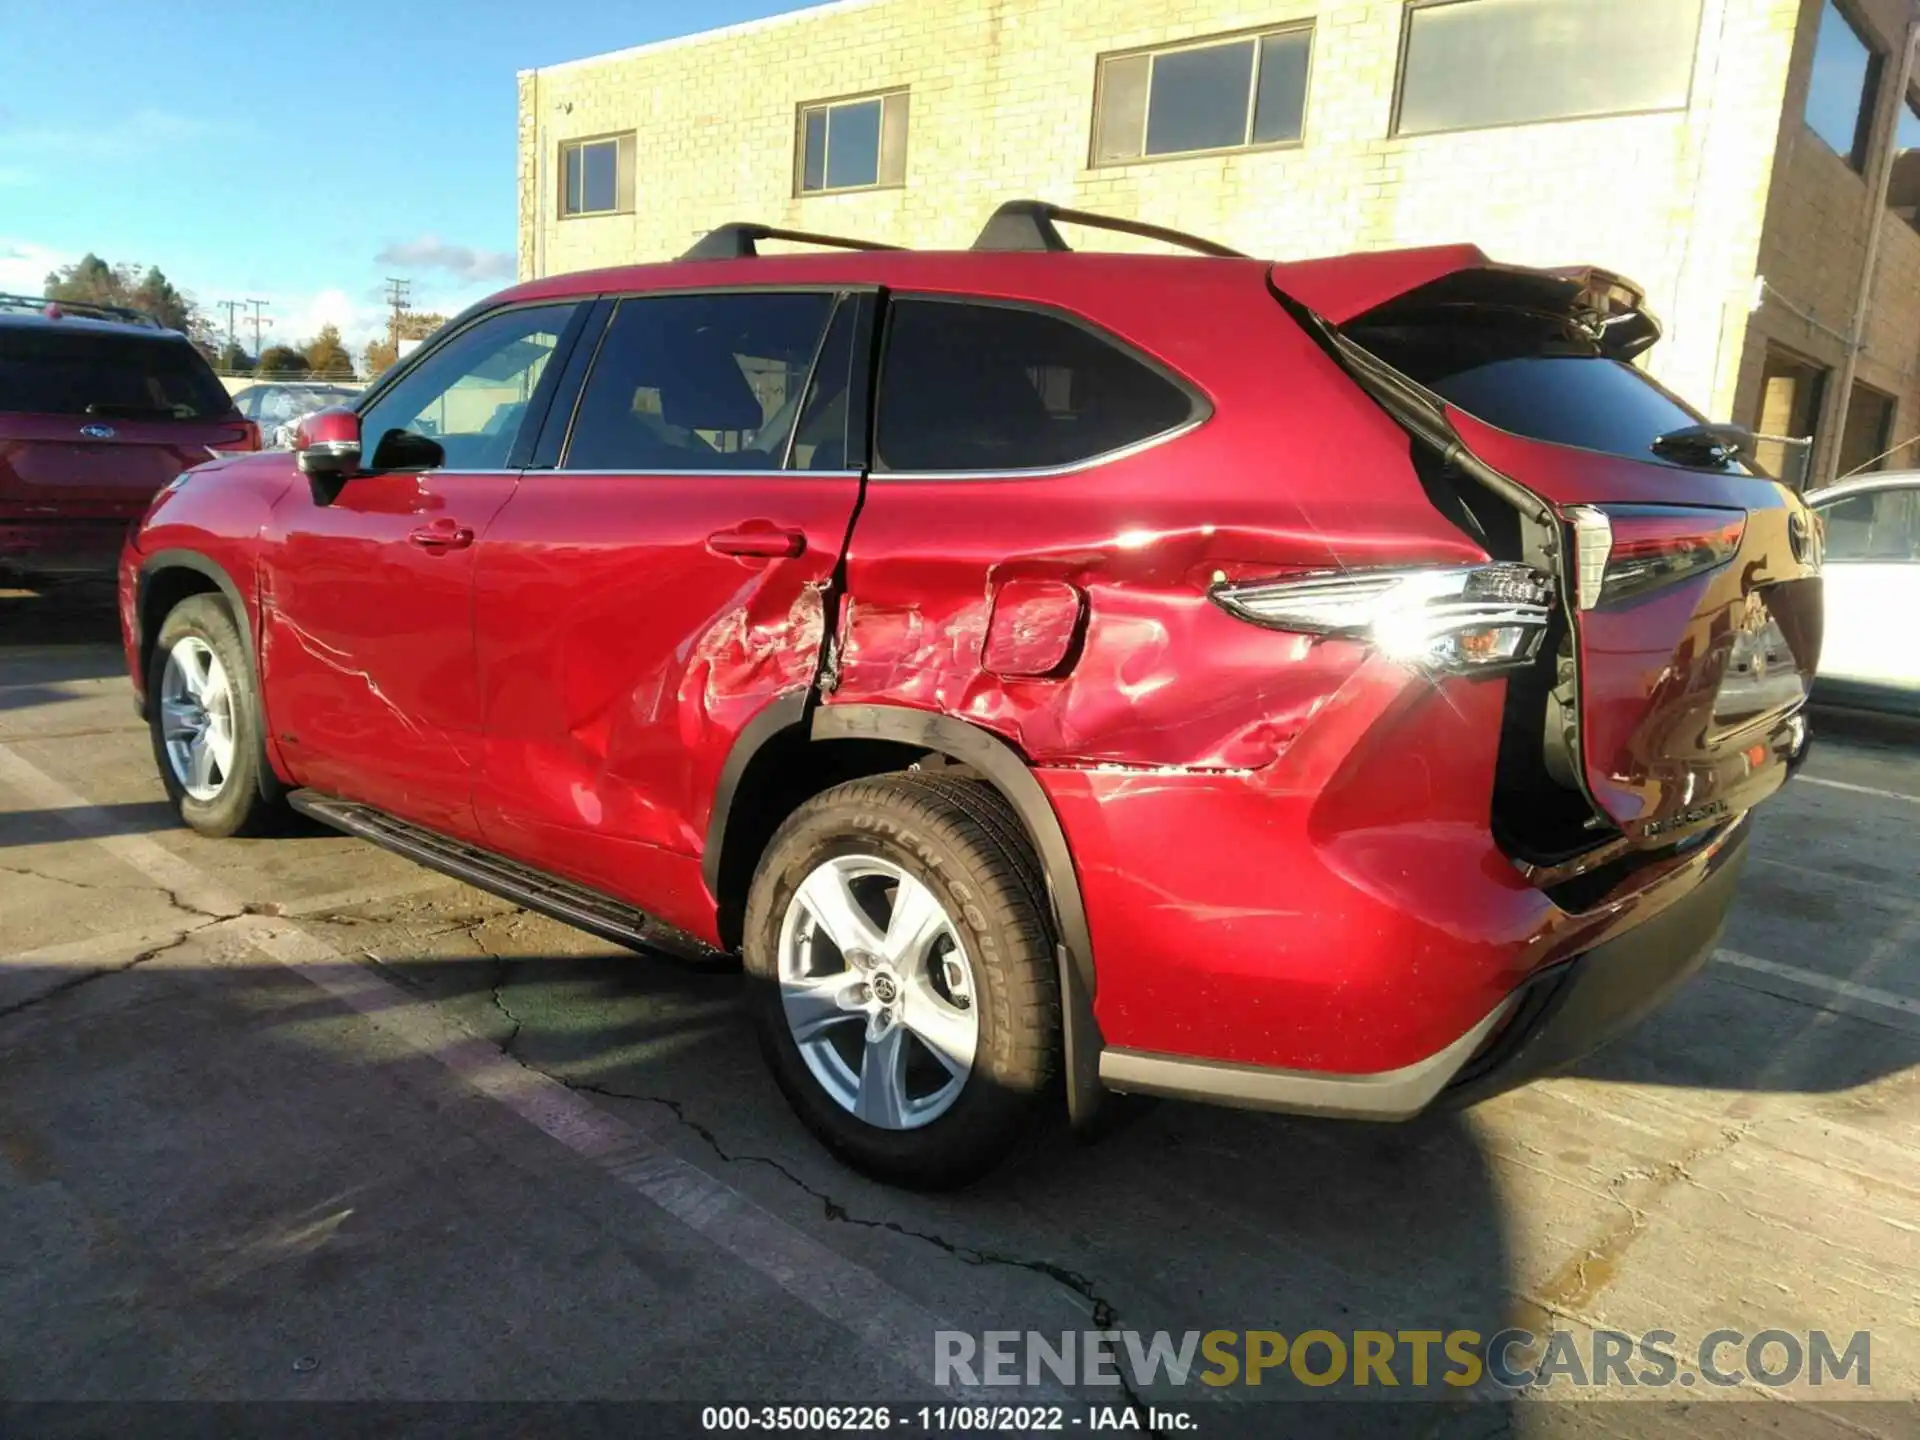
(294, 1120)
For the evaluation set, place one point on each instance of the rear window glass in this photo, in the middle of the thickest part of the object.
(993, 388)
(1535, 376)
(80, 372)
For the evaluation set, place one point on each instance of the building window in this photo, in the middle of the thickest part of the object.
(1471, 64)
(596, 176)
(1216, 95)
(1840, 92)
(1868, 432)
(1790, 394)
(855, 144)
(1903, 185)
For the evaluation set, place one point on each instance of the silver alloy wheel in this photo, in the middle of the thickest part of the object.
(196, 717)
(878, 992)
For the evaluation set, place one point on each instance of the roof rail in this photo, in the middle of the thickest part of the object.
(1029, 225)
(85, 309)
(738, 241)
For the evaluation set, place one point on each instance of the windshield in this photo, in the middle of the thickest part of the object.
(91, 372)
(1533, 375)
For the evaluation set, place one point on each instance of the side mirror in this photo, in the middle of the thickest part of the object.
(326, 447)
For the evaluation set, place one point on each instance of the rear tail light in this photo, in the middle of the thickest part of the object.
(249, 437)
(1450, 620)
(1624, 550)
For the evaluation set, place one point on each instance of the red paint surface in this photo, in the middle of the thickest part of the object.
(1284, 844)
(1662, 731)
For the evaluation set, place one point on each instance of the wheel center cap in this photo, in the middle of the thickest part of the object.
(885, 988)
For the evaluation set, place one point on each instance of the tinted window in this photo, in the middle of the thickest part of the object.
(1840, 89)
(698, 382)
(46, 371)
(1882, 525)
(820, 441)
(468, 397)
(992, 387)
(1505, 62)
(1534, 376)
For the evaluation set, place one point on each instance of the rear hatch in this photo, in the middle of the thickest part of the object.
(95, 418)
(1668, 699)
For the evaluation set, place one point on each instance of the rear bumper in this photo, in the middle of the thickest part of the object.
(48, 549)
(1560, 1014)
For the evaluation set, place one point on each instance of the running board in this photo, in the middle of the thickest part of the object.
(572, 904)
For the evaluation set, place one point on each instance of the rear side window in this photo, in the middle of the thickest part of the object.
(982, 387)
(45, 371)
(699, 382)
(1537, 376)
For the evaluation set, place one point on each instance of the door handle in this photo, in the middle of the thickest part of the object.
(763, 542)
(442, 536)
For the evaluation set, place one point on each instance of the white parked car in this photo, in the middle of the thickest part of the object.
(277, 405)
(1871, 653)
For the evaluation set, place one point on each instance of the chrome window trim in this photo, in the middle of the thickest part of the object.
(1050, 472)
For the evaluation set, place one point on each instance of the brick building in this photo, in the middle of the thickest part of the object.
(1755, 164)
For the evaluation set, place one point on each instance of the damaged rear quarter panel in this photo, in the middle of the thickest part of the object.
(1295, 470)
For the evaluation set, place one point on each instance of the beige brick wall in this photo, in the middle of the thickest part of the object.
(1819, 216)
(1002, 101)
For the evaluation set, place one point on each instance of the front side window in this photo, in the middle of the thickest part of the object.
(972, 386)
(1840, 92)
(855, 144)
(1879, 527)
(1221, 95)
(1470, 64)
(698, 382)
(464, 405)
(596, 176)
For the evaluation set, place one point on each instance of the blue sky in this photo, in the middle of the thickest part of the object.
(289, 151)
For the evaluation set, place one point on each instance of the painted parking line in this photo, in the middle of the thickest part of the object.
(888, 1322)
(1805, 779)
(1870, 996)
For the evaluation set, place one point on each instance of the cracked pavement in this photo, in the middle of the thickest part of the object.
(213, 1172)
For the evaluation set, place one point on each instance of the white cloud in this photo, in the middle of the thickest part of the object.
(141, 133)
(430, 252)
(24, 266)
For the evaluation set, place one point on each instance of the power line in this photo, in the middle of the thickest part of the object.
(398, 293)
(258, 306)
(231, 306)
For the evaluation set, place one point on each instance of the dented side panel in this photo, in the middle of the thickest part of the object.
(1295, 470)
(620, 657)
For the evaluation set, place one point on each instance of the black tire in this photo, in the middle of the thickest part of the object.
(983, 875)
(250, 799)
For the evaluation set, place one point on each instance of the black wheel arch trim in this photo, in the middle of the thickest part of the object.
(1007, 772)
(782, 714)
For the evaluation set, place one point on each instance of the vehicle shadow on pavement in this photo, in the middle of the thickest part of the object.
(55, 827)
(82, 617)
(1181, 1218)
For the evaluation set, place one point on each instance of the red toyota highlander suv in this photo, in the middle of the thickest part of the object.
(99, 407)
(1335, 687)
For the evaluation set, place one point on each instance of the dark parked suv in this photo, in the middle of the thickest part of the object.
(1328, 687)
(99, 408)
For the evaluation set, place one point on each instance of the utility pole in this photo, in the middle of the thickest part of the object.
(258, 306)
(232, 305)
(397, 295)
